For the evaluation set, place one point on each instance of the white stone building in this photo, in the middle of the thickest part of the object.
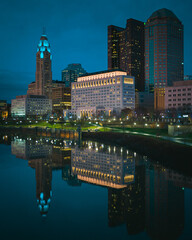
(109, 91)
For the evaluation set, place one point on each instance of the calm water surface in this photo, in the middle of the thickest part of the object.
(60, 190)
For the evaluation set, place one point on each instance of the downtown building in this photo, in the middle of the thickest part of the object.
(163, 50)
(126, 50)
(61, 99)
(43, 76)
(30, 105)
(178, 97)
(4, 109)
(106, 92)
(71, 73)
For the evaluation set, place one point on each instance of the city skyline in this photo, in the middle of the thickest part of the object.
(84, 43)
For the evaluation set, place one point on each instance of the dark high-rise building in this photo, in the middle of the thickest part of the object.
(43, 76)
(71, 73)
(163, 50)
(126, 50)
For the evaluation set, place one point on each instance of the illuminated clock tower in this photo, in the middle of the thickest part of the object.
(43, 77)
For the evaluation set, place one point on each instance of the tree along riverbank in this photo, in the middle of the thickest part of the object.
(170, 154)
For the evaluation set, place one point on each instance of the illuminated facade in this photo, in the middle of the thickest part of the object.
(61, 99)
(4, 109)
(159, 99)
(163, 50)
(108, 91)
(126, 50)
(104, 167)
(31, 105)
(43, 77)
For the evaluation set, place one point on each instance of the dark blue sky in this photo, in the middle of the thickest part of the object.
(77, 32)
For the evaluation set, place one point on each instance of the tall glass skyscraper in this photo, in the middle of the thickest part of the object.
(163, 50)
(71, 73)
(126, 50)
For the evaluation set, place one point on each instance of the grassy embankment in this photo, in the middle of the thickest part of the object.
(150, 132)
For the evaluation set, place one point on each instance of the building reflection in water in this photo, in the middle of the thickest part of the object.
(44, 158)
(164, 205)
(104, 166)
(146, 198)
(127, 206)
(43, 172)
(123, 173)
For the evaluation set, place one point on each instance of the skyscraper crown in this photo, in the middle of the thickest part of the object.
(163, 13)
(43, 45)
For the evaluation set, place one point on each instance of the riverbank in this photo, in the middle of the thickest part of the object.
(40, 132)
(169, 154)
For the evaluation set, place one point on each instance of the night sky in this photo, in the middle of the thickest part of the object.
(77, 32)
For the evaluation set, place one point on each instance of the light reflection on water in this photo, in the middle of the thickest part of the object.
(91, 191)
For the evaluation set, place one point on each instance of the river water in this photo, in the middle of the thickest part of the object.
(59, 189)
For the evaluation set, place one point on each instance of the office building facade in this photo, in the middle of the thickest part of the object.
(61, 99)
(163, 50)
(31, 105)
(107, 91)
(126, 50)
(179, 96)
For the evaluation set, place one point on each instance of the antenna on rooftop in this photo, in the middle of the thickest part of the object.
(44, 31)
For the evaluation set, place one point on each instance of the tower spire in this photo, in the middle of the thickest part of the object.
(44, 31)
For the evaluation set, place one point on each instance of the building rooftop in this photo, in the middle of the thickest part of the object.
(43, 37)
(57, 81)
(100, 72)
(182, 83)
(31, 96)
(163, 13)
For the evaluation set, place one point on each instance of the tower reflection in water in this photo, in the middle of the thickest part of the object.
(44, 158)
(147, 198)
